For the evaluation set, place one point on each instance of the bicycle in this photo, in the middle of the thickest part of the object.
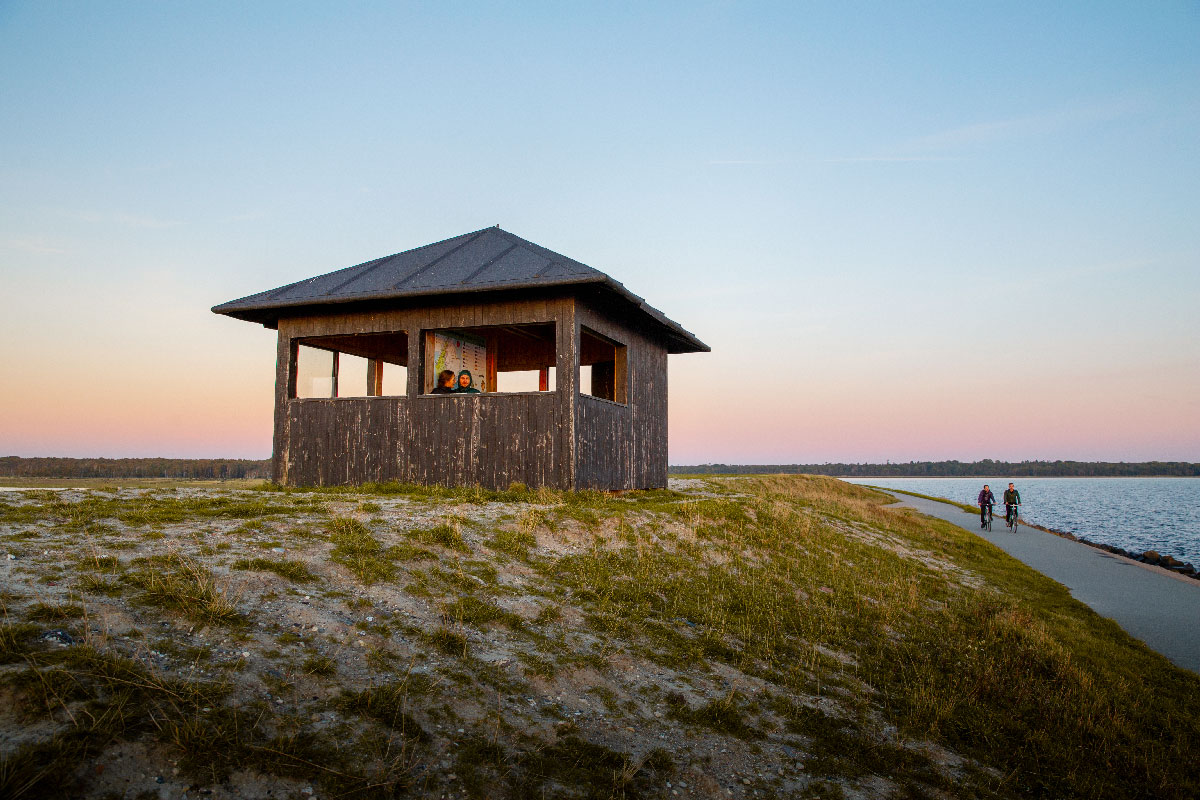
(988, 524)
(1010, 518)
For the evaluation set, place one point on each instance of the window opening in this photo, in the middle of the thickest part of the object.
(354, 365)
(525, 380)
(352, 376)
(499, 358)
(314, 372)
(602, 367)
(394, 381)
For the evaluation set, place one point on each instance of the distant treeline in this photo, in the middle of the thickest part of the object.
(964, 469)
(192, 468)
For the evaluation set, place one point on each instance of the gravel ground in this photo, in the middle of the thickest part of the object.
(488, 645)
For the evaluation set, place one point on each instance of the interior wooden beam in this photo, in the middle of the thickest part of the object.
(374, 377)
(493, 347)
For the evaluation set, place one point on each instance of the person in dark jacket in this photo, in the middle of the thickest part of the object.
(465, 382)
(445, 382)
(985, 502)
(1012, 499)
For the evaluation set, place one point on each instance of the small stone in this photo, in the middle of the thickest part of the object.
(746, 781)
(307, 790)
(58, 637)
(245, 654)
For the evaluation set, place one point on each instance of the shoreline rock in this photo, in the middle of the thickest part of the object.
(1151, 557)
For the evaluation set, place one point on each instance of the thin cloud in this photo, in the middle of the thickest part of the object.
(930, 147)
(122, 218)
(1026, 126)
(139, 221)
(249, 216)
(888, 159)
(39, 247)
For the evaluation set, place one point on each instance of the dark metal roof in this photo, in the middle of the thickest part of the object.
(487, 260)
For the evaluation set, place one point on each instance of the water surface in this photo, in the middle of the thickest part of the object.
(1138, 514)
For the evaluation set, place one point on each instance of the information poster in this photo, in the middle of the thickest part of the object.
(459, 351)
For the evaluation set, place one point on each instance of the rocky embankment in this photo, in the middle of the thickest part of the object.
(1151, 557)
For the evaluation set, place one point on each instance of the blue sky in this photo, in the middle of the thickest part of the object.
(908, 230)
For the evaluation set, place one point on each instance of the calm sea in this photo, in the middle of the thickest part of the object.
(1137, 514)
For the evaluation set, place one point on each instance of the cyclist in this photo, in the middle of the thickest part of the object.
(1012, 499)
(985, 502)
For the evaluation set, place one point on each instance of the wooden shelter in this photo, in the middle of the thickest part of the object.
(572, 369)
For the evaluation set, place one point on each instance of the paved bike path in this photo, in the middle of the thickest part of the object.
(1153, 604)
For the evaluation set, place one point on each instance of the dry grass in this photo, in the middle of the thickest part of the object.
(781, 635)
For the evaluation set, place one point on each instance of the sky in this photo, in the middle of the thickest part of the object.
(908, 230)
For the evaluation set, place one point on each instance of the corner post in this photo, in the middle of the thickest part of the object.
(567, 371)
(285, 389)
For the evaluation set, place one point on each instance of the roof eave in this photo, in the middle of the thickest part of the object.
(268, 313)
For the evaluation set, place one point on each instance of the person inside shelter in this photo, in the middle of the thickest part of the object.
(445, 382)
(465, 382)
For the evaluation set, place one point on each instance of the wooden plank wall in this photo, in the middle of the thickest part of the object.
(624, 446)
(557, 439)
(489, 440)
(485, 440)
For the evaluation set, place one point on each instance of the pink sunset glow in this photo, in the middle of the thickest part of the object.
(961, 255)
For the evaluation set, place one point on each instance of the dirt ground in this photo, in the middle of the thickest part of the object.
(493, 660)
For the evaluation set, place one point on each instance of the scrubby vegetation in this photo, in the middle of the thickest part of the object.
(751, 637)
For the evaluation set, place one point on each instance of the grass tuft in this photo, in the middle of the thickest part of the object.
(54, 612)
(358, 551)
(386, 704)
(184, 586)
(449, 642)
(447, 536)
(294, 571)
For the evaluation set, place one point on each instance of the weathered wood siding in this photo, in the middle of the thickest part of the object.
(489, 440)
(557, 439)
(347, 440)
(624, 446)
(604, 431)
(485, 440)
